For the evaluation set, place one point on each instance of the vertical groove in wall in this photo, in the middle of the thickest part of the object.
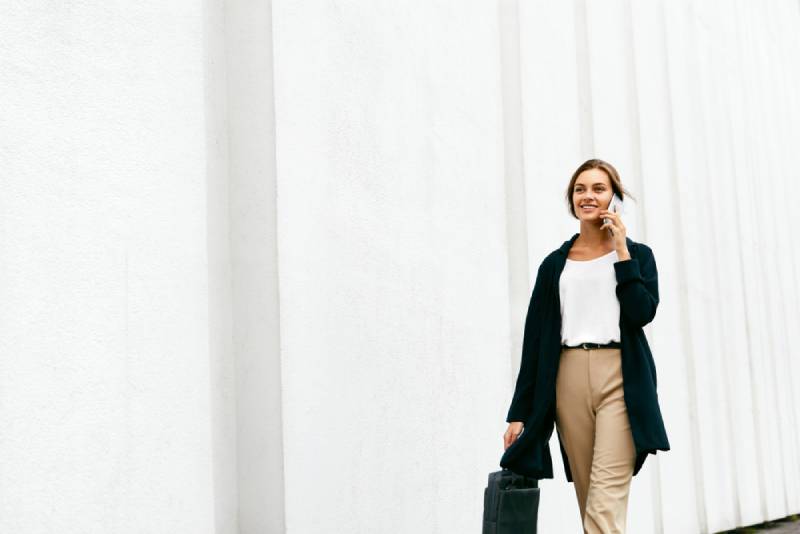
(782, 385)
(789, 311)
(513, 157)
(221, 364)
(584, 80)
(730, 417)
(748, 316)
(794, 128)
(633, 110)
(787, 63)
(278, 519)
(686, 327)
(658, 503)
(778, 355)
(703, 192)
(254, 235)
(764, 165)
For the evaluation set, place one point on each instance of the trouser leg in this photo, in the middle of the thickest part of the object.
(614, 451)
(575, 418)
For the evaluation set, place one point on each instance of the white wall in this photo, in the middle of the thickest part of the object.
(392, 262)
(104, 278)
(265, 266)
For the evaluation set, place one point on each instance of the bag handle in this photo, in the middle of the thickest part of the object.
(518, 481)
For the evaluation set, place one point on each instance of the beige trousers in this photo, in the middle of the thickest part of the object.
(592, 421)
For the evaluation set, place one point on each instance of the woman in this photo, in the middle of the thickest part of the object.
(583, 334)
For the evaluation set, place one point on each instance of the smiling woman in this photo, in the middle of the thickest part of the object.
(593, 176)
(586, 365)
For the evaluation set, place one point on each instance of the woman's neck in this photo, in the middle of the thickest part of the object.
(591, 236)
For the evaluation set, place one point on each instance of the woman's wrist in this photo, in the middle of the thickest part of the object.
(623, 254)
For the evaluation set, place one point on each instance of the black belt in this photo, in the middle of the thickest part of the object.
(587, 346)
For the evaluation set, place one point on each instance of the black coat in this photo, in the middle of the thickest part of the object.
(534, 397)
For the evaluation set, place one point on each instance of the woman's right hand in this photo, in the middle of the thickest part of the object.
(513, 432)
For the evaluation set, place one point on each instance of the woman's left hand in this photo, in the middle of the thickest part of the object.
(617, 229)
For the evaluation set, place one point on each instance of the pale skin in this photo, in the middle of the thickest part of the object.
(593, 186)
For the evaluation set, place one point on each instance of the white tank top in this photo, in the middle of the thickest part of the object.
(589, 305)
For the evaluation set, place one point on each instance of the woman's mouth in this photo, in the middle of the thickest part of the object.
(588, 207)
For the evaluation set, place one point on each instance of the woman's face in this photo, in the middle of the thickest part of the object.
(592, 188)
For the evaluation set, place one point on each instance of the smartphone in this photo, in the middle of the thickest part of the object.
(616, 205)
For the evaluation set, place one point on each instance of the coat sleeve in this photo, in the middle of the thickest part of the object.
(522, 401)
(637, 287)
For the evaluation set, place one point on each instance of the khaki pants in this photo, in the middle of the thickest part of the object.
(592, 421)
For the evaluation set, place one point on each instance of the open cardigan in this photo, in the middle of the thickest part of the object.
(533, 401)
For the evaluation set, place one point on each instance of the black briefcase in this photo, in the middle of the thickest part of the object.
(510, 503)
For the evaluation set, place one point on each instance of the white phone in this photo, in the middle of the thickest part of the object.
(617, 206)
